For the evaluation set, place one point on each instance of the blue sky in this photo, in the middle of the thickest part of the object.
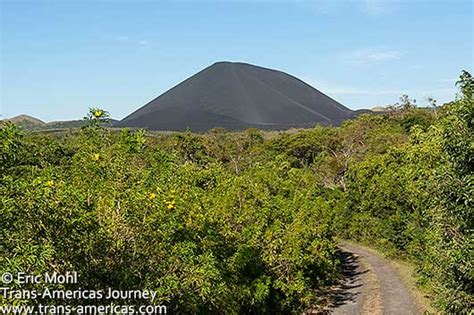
(60, 57)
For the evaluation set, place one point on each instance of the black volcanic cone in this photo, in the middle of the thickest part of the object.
(237, 96)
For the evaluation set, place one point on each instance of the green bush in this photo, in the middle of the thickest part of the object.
(209, 232)
(417, 200)
(243, 222)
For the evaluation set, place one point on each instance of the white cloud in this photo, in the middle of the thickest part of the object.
(371, 56)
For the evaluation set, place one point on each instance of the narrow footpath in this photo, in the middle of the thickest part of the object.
(371, 286)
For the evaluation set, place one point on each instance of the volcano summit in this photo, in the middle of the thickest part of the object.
(235, 96)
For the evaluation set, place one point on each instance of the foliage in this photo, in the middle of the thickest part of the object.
(96, 117)
(244, 222)
(174, 216)
(417, 200)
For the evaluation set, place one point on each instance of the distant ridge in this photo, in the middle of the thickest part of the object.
(235, 96)
(32, 123)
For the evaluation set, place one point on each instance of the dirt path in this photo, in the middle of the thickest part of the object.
(371, 286)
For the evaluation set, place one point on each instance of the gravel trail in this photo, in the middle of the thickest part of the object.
(371, 286)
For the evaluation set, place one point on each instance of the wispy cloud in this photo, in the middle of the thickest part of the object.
(334, 90)
(452, 80)
(414, 93)
(333, 7)
(325, 87)
(129, 40)
(371, 56)
(377, 7)
(356, 91)
(323, 7)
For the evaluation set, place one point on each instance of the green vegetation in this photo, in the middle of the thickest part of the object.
(243, 222)
(417, 199)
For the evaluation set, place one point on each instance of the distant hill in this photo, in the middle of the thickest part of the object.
(379, 109)
(32, 123)
(27, 122)
(236, 96)
(67, 124)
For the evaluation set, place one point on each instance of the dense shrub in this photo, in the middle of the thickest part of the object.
(417, 200)
(244, 222)
(209, 232)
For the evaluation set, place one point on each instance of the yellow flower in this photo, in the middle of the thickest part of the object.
(50, 183)
(96, 157)
(170, 204)
(98, 113)
(151, 196)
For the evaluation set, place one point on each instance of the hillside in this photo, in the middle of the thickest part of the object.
(237, 96)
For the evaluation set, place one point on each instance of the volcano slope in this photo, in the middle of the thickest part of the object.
(236, 96)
